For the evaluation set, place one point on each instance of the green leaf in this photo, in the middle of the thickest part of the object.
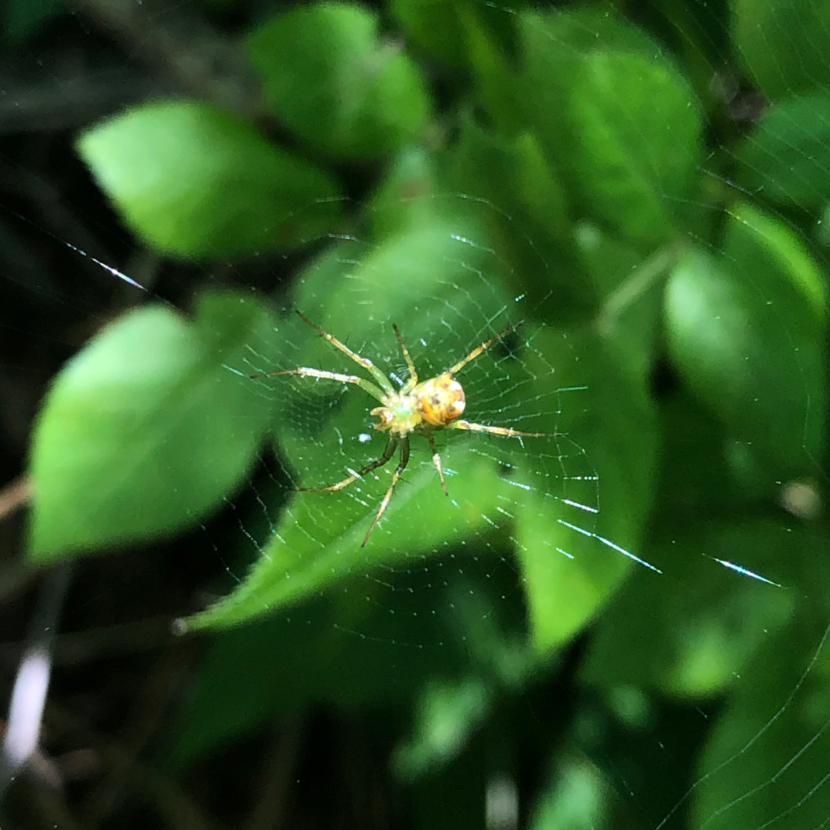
(522, 202)
(576, 547)
(318, 540)
(448, 712)
(749, 344)
(194, 181)
(578, 796)
(408, 194)
(334, 82)
(786, 157)
(782, 46)
(433, 26)
(601, 96)
(149, 428)
(445, 307)
(757, 242)
(702, 624)
(766, 758)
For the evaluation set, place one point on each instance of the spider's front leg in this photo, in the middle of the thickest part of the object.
(509, 432)
(322, 374)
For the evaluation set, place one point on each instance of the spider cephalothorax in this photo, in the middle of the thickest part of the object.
(422, 407)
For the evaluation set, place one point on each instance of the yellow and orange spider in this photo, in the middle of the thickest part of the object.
(416, 407)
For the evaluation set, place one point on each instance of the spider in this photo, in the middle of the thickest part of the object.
(421, 407)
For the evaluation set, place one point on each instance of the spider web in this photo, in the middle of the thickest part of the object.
(438, 567)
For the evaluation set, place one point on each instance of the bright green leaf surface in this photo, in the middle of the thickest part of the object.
(750, 346)
(149, 427)
(614, 114)
(783, 45)
(786, 157)
(332, 80)
(702, 625)
(195, 181)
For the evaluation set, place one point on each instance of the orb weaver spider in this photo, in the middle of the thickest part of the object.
(421, 407)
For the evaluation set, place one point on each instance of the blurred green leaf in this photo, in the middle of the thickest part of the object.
(329, 76)
(782, 46)
(408, 195)
(756, 242)
(702, 625)
(149, 428)
(318, 540)
(576, 547)
(375, 642)
(766, 758)
(255, 673)
(750, 345)
(577, 797)
(632, 295)
(786, 157)
(700, 471)
(615, 115)
(447, 713)
(523, 204)
(194, 181)
(434, 26)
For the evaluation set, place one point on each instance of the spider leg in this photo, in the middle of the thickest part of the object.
(481, 349)
(436, 460)
(367, 364)
(404, 460)
(305, 372)
(372, 465)
(413, 374)
(508, 431)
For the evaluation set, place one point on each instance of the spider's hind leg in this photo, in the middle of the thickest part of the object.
(436, 460)
(372, 465)
(404, 460)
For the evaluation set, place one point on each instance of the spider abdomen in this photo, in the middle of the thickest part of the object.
(440, 401)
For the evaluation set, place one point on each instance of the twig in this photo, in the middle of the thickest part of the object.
(102, 643)
(182, 45)
(642, 278)
(14, 495)
(32, 681)
(179, 811)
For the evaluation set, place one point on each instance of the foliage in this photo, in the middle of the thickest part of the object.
(670, 269)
